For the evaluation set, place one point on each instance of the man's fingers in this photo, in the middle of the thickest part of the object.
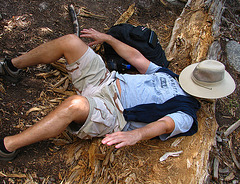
(87, 30)
(85, 35)
(110, 141)
(120, 145)
(114, 138)
(93, 43)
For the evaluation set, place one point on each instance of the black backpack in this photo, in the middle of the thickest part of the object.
(143, 39)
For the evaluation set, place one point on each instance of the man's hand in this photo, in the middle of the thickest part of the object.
(97, 36)
(164, 125)
(122, 138)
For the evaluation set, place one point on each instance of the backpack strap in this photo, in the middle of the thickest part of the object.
(170, 72)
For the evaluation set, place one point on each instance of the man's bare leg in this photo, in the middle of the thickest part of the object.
(69, 46)
(75, 108)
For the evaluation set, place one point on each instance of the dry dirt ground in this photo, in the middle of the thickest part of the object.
(24, 24)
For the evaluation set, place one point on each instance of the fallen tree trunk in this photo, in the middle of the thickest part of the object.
(92, 162)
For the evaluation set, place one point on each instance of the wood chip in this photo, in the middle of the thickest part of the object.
(60, 82)
(107, 158)
(230, 177)
(34, 109)
(111, 157)
(2, 89)
(2, 174)
(48, 74)
(60, 142)
(176, 142)
(13, 175)
(56, 100)
(67, 93)
(65, 134)
(215, 168)
(85, 13)
(126, 15)
(233, 155)
(59, 66)
(91, 153)
(232, 128)
(170, 154)
(100, 156)
(66, 84)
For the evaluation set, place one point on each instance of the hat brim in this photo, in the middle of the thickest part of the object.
(225, 88)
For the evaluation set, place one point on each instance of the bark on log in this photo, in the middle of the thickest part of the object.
(194, 32)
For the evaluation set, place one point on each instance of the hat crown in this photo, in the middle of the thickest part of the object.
(209, 71)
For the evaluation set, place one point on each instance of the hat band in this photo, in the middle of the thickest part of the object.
(206, 85)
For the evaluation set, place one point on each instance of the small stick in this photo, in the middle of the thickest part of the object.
(126, 15)
(233, 155)
(215, 168)
(232, 128)
(74, 20)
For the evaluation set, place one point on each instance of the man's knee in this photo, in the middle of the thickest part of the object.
(78, 107)
(71, 41)
(78, 102)
(73, 47)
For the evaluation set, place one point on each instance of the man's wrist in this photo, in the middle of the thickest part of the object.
(139, 134)
(108, 38)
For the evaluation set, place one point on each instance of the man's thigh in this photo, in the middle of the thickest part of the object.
(87, 72)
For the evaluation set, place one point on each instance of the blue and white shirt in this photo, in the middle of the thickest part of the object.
(153, 88)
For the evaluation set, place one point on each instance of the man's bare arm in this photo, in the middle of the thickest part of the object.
(130, 54)
(162, 126)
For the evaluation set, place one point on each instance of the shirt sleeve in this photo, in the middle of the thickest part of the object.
(152, 68)
(183, 123)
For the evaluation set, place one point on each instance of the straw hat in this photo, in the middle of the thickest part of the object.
(207, 79)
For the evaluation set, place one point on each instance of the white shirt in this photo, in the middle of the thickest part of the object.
(153, 87)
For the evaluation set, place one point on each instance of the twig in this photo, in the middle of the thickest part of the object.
(126, 15)
(85, 13)
(62, 80)
(233, 16)
(215, 168)
(229, 22)
(232, 128)
(233, 155)
(74, 20)
(60, 67)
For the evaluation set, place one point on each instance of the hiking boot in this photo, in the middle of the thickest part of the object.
(8, 156)
(8, 74)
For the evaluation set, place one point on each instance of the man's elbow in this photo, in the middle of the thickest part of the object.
(168, 124)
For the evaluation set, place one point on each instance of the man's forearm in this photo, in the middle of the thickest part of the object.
(123, 50)
(130, 54)
(163, 126)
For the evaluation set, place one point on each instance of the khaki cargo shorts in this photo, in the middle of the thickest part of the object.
(92, 80)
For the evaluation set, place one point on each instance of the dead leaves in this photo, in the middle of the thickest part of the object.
(126, 15)
(48, 74)
(84, 13)
(29, 177)
(2, 89)
(18, 21)
(63, 79)
(33, 109)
